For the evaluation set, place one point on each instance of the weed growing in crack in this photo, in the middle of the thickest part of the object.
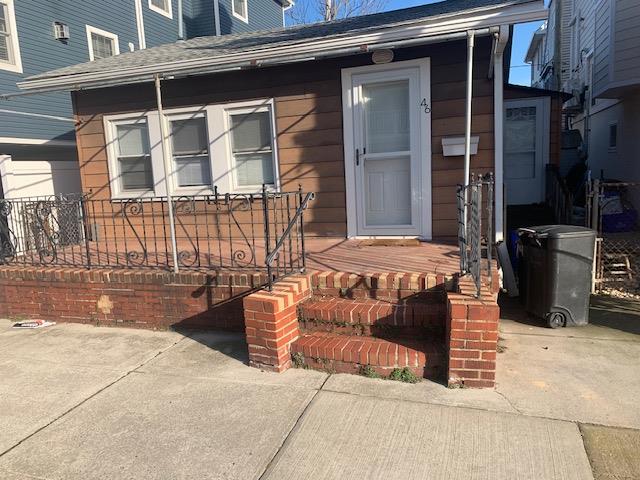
(403, 375)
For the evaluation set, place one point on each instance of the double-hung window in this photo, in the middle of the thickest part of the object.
(102, 44)
(251, 144)
(163, 7)
(190, 150)
(9, 48)
(241, 9)
(132, 156)
(229, 146)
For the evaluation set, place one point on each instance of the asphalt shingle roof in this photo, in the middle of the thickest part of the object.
(211, 47)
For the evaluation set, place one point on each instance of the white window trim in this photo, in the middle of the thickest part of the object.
(244, 18)
(110, 124)
(103, 33)
(221, 145)
(220, 156)
(168, 14)
(15, 64)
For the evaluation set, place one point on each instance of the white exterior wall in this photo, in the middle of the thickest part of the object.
(30, 178)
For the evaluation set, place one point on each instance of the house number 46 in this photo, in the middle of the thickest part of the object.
(425, 105)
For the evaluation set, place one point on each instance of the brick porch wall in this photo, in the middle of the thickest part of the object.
(271, 320)
(472, 335)
(131, 298)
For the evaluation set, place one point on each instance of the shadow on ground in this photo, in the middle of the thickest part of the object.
(606, 314)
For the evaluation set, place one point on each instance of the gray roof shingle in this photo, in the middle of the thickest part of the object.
(205, 47)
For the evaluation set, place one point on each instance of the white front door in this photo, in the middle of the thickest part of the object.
(526, 149)
(385, 152)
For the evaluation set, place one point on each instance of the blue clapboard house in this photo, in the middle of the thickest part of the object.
(37, 139)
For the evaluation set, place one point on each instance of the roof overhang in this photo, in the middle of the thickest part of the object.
(424, 31)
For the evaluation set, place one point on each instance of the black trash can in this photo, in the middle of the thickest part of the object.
(556, 273)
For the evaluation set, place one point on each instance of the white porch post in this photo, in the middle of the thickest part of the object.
(467, 133)
(498, 130)
(167, 168)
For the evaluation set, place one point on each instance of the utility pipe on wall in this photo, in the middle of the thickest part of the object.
(467, 133)
(167, 168)
(180, 21)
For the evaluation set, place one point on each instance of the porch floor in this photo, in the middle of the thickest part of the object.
(323, 254)
(357, 256)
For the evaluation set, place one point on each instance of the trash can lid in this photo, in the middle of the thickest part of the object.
(557, 231)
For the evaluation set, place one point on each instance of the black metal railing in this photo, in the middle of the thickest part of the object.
(558, 196)
(475, 227)
(212, 232)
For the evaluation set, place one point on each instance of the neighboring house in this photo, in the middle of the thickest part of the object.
(37, 138)
(593, 55)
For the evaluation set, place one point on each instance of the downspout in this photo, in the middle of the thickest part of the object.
(216, 15)
(467, 132)
(180, 21)
(167, 169)
(502, 39)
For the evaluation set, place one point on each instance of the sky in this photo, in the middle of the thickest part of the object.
(520, 72)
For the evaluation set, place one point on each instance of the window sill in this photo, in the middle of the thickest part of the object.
(240, 17)
(11, 67)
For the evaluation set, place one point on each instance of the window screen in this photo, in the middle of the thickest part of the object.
(190, 147)
(252, 148)
(133, 155)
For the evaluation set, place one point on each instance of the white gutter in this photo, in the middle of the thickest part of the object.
(467, 130)
(498, 129)
(167, 168)
(435, 29)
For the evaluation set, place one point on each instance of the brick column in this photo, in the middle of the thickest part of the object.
(271, 322)
(472, 337)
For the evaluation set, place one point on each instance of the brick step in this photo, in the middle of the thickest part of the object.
(381, 286)
(348, 354)
(368, 317)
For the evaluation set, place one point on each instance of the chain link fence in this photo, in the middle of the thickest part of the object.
(612, 210)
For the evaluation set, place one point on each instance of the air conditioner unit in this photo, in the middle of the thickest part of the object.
(60, 31)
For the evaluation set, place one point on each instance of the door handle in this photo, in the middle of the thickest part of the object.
(357, 157)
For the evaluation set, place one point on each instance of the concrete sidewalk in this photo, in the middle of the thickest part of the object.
(79, 402)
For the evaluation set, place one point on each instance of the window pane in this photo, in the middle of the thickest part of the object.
(3, 18)
(4, 48)
(254, 169)
(240, 7)
(136, 173)
(193, 171)
(387, 117)
(251, 132)
(132, 140)
(161, 4)
(102, 46)
(189, 136)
